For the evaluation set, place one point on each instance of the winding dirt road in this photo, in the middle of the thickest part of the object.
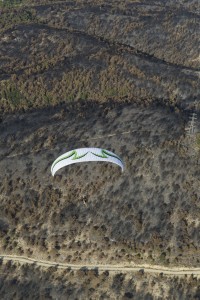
(173, 271)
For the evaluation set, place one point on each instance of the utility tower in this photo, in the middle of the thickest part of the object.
(190, 130)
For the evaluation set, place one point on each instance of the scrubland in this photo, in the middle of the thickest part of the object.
(32, 282)
(93, 211)
(75, 51)
(120, 76)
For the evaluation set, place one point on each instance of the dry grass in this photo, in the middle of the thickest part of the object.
(81, 52)
(21, 282)
(67, 72)
(140, 215)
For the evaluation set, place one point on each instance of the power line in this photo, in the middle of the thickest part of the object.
(88, 139)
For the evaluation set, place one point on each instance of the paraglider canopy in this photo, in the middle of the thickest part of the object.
(85, 155)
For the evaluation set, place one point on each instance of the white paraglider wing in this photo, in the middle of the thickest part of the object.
(83, 155)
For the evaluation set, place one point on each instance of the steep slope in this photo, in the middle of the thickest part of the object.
(91, 212)
(136, 51)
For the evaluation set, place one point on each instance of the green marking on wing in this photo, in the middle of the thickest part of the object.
(112, 155)
(79, 156)
(105, 154)
(102, 155)
(73, 153)
(67, 156)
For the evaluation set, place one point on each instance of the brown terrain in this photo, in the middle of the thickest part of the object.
(28, 282)
(123, 77)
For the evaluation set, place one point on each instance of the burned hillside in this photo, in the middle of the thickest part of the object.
(92, 211)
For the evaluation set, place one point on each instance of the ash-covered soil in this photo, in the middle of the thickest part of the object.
(91, 211)
(137, 51)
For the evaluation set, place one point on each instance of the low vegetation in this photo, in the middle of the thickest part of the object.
(74, 52)
(92, 211)
(118, 75)
(22, 283)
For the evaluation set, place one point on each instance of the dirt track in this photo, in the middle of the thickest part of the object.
(111, 268)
